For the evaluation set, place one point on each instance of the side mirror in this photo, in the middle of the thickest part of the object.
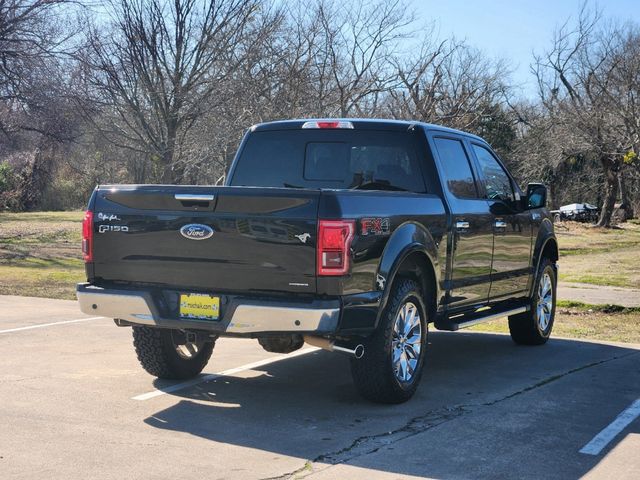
(536, 195)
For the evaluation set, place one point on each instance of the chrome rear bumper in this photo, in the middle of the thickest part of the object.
(244, 316)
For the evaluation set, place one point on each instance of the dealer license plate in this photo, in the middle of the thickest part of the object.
(199, 306)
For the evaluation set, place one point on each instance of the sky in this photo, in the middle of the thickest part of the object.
(513, 29)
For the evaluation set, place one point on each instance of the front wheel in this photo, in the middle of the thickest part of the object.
(534, 327)
(165, 353)
(390, 370)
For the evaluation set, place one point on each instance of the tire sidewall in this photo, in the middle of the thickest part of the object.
(390, 314)
(187, 367)
(546, 267)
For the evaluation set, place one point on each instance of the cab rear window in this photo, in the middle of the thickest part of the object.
(339, 159)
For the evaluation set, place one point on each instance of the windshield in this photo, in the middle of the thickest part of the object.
(341, 159)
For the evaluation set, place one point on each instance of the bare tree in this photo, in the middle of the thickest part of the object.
(587, 85)
(326, 59)
(155, 65)
(37, 120)
(337, 55)
(448, 82)
(360, 38)
(29, 33)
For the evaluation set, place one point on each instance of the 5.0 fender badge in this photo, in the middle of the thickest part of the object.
(196, 231)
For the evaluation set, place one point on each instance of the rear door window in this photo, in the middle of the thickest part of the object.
(497, 182)
(340, 159)
(456, 168)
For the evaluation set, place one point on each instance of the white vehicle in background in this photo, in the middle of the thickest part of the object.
(578, 212)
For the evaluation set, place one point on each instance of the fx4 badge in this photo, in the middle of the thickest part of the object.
(374, 226)
(196, 231)
(303, 237)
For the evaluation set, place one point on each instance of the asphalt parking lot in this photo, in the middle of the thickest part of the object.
(74, 403)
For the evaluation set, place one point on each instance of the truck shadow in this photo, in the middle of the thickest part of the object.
(307, 407)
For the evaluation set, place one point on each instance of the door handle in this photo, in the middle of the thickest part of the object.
(187, 197)
(462, 225)
(500, 224)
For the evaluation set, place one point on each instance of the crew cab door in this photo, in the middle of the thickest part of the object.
(510, 268)
(470, 238)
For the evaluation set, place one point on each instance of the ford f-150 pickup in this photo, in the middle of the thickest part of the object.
(350, 235)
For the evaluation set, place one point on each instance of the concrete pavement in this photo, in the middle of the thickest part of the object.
(486, 408)
(599, 294)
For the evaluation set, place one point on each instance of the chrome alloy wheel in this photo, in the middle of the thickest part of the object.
(545, 302)
(406, 342)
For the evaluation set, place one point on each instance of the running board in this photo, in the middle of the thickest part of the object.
(452, 325)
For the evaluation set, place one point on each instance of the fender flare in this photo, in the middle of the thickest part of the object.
(407, 239)
(546, 238)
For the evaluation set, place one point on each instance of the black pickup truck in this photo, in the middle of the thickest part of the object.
(350, 235)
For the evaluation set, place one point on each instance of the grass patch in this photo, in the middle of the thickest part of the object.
(600, 256)
(585, 322)
(610, 280)
(40, 254)
(42, 217)
(588, 307)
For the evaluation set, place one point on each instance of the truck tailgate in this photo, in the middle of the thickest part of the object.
(206, 238)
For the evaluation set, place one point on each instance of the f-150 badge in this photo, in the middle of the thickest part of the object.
(112, 228)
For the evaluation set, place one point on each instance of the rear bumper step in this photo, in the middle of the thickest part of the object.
(242, 316)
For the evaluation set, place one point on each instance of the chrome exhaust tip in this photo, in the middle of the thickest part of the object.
(330, 346)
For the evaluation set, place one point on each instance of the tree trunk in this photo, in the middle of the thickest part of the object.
(624, 195)
(171, 174)
(610, 193)
(36, 174)
(167, 168)
(553, 201)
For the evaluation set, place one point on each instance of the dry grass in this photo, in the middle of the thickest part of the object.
(40, 254)
(585, 321)
(600, 256)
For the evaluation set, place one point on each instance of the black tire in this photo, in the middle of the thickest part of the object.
(158, 355)
(527, 328)
(374, 375)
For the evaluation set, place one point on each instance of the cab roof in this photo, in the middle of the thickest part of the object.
(361, 124)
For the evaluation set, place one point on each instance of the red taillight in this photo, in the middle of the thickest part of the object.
(334, 241)
(87, 236)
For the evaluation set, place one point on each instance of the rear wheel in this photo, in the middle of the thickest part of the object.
(390, 370)
(165, 353)
(534, 327)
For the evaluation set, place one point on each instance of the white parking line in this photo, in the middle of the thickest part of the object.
(41, 325)
(224, 373)
(601, 440)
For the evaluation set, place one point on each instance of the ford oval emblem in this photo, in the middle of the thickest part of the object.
(196, 231)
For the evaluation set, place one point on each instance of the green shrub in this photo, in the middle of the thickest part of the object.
(7, 177)
(65, 194)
